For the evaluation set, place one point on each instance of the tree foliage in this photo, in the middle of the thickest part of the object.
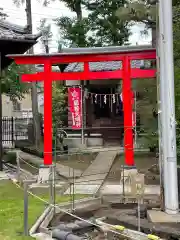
(100, 27)
(2, 14)
(138, 11)
(59, 105)
(11, 83)
(19, 2)
(145, 12)
(108, 28)
(73, 31)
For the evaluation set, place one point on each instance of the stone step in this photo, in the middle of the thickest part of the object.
(94, 176)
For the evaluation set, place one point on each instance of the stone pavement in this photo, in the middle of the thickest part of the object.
(94, 176)
(157, 216)
(67, 172)
(118, 190)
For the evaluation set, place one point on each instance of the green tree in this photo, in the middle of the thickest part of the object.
(144, 11)
(11, 84)
(74, 30)
(106, 27)
(140, 11)
(59, 105)
(12, 87)
(100, 28)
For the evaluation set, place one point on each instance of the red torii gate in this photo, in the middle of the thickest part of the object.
(86, 55)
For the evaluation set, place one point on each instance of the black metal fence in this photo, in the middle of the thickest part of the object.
(17, 129)
(14, 129)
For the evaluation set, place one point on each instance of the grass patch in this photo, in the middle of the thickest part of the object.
(11, 210)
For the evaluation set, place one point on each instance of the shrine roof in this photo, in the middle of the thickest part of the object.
(14, 39)
(100, 66)
(109, 49)
(94, 66)
(91, 50)
(105, 66)
(9, 31)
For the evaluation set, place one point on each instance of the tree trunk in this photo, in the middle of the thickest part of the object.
(36, 118)
(78, 10)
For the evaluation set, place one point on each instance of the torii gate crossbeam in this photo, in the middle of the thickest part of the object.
(126, 73)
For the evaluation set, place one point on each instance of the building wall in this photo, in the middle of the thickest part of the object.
(9, 111)
(26, 106)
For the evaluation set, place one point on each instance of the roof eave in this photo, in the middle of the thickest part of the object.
(108, 49)
(90, 51)
(19, 40)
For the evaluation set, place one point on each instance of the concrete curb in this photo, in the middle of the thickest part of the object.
(35, 227)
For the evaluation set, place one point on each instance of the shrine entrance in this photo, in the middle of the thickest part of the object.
(124, 56)
(101, 106)
(104, 113)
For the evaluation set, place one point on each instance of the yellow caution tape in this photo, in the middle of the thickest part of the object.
(153, 237)
(119, 228)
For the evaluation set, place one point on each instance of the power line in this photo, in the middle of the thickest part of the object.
(47, 7)
(34, 21)
(14, 11)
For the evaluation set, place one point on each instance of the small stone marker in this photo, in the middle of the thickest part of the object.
(137, 185)
(44, 173)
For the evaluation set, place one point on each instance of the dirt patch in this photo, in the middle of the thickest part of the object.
(143, 162)
(89, 232)
(118, 214)
(79, 161)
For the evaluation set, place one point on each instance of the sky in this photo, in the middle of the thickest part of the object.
(17, 16)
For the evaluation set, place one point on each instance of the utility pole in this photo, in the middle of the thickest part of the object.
(159, 94)
(167, 107)
(1, 144)
(34, 97)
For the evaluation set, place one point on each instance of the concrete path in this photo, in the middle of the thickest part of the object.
(157, 216)
(118, 189)
(94, 176)
(67, 172)
(62, 170)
